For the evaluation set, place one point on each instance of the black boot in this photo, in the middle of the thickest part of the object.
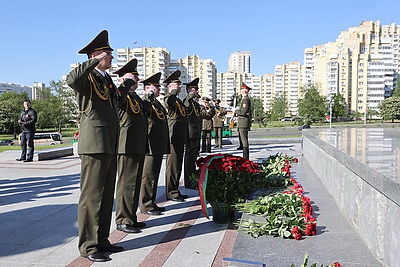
(246, 152)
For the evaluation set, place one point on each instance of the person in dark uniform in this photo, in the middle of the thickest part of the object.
(218, 122)
(194, 131)
(27, 121)
(177, 124)
(244, 119)
(97, 99)
(207, 113)
(131, 150)
(157, 145)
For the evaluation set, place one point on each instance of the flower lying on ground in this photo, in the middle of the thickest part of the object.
(305, 263)
(287, 214)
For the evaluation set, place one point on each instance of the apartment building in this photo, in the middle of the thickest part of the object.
(239, 62)
(151, 60)
(287, 83)
(194, 67)
(362, 65)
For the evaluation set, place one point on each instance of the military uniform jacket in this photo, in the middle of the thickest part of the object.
(219, 117)
(28, 120)
(133, 125)
(158, 135)
(97, 104)
(244, 113)
(193, 117)
(207, 116)
(177, 121)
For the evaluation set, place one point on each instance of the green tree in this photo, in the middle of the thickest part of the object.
(338, 106)
(396, 91)
(258, 111)
(313, 106)
(390, 108)
(11, 105)
(278, 108)
(56, 107)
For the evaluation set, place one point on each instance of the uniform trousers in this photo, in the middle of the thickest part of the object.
(206, 141)
(151, 173)
(130, 170)
(173, 170)
(191, 152)
(97, 184)
(218, 136)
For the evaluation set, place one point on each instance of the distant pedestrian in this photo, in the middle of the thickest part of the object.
(218, 122)
(207, 113)
(27, 121)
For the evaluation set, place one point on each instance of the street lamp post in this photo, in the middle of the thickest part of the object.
(330, 112)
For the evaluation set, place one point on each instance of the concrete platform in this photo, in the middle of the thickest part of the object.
(38, 223)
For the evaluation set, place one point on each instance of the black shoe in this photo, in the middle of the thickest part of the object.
(239, 148)
(203, 151)
(152, 212)
(98, 257)
(19, 159)
(159, 208)
(130, 229)
(110, 248)
(28, 160)
(177, 199)
(183, 196)
(139, 224)
(208, 151)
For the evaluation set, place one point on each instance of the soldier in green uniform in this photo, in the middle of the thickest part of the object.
(218, 122)
(157, 145)
(207, 113)
(97, 99)
(244, 119)
(194, 131)
(177, 124)
(131, 150)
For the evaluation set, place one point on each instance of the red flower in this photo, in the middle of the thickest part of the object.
(296, 233)
(295, 160)
(311, 229)
(337, 264)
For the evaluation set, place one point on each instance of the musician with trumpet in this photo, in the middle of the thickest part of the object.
(218, 122)
(207, 112)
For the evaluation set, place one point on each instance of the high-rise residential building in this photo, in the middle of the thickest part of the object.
(150, 61)
(362, 65)
(287, 83)
(266, 89)
(239, 62)
(36, 89)
(194, 67)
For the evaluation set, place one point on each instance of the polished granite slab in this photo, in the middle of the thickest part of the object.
(379, 148)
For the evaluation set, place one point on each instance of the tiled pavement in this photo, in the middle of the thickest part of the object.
(38, 223)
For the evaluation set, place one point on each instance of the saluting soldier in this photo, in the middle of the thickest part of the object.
(97, 99)
(244, 119)
(218, 122)
(157, 145)
(131, 150)
(177, 123)
(194, 131)
(207, 113)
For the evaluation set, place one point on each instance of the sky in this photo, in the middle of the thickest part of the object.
(40, 39)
